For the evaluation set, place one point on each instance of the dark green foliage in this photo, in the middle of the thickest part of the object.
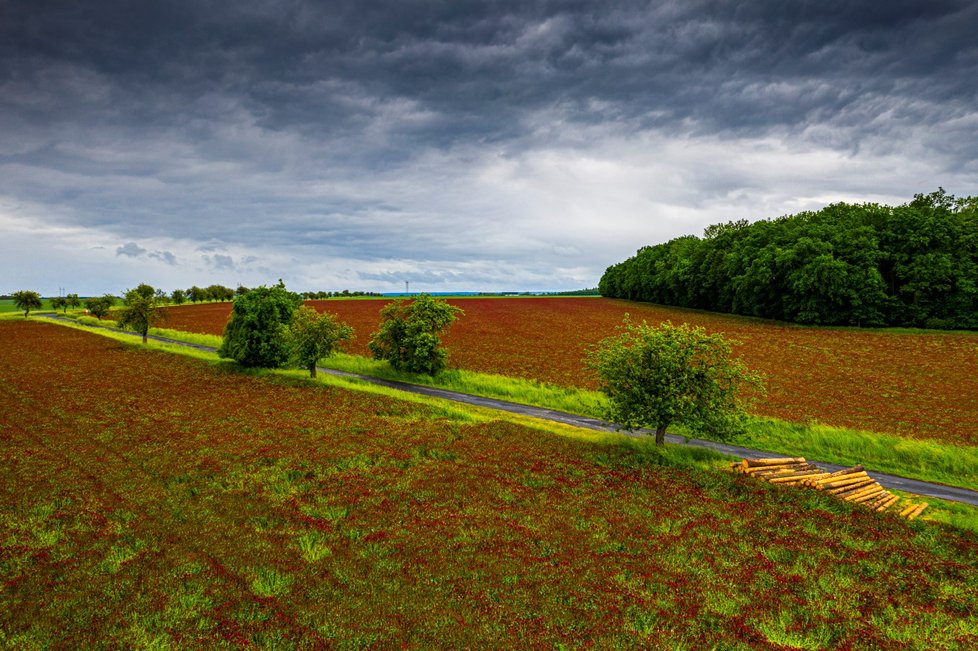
(58, 303)
(408, 337)
(219, 293)
(313, 336)
(197, 294)
(27, 300)
(72, 300)
(141, 310)
(100, 305)
(142, 290)
(256, 334)
(178, 296)
(914, 265)
(655, 377)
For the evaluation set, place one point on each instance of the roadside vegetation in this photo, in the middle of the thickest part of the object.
(368, 520)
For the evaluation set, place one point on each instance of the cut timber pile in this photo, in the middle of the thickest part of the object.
(850, 484)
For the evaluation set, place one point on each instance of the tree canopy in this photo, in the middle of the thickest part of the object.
(27, 300)
(655, 377)
(914, 265)
(408, 336)
(100, 305)
(256, 334)
(140, 310)
(313, 336)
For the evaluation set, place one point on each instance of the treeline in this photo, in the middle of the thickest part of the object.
(346, 293)
(914, 265)
(220, 293)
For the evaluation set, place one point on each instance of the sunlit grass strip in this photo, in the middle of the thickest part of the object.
(916, 459)
(528, 392)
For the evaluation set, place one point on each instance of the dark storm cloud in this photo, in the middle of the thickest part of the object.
(481, 66)
(350, 127)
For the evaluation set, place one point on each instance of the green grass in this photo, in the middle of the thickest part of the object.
(189, 337)
(7, 306)
(527, 392)
(917, 459)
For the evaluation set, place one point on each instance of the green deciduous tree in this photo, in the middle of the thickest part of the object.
(178, 296)
(140, 310)
(100, 305)
(408, 337)
(197, 294)
(219, 293)
(27, 300)
(655, 377)
(72, 301)
(257, 333)
(313, 336)
(59, 302)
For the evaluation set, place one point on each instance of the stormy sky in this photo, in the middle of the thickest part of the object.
(458, 145)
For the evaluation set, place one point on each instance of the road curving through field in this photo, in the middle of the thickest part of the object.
(917, 487)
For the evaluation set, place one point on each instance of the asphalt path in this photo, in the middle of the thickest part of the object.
(922, 488)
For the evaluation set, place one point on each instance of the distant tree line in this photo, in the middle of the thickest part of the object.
(914, 265)
(310, 296)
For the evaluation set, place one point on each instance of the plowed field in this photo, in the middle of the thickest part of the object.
(149, 500)
(918, 385)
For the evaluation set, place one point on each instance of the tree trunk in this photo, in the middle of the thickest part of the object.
(312, 370)
(660, 434)
(144, 337)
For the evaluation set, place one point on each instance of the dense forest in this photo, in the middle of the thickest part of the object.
(913, 265)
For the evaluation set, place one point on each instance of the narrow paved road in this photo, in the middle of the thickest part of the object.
(922, 488)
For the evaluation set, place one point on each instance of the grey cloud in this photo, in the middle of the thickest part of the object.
(130, 249)
(165, 256)
(219, 261)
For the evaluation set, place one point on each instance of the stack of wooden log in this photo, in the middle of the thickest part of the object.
(850, 484)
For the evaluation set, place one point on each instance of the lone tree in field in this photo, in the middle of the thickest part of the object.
(313, 336)
(58, 302)
(141, 310)
(100, 305)
(655, 377)
(72, 301)
(27, 300)
(257, 333)
(408, 337)
(178, 297)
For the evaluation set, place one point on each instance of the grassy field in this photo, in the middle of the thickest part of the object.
(7, 305)
(908, 384)
(266, 510)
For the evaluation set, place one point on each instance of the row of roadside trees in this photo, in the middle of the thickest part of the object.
(270, 327)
